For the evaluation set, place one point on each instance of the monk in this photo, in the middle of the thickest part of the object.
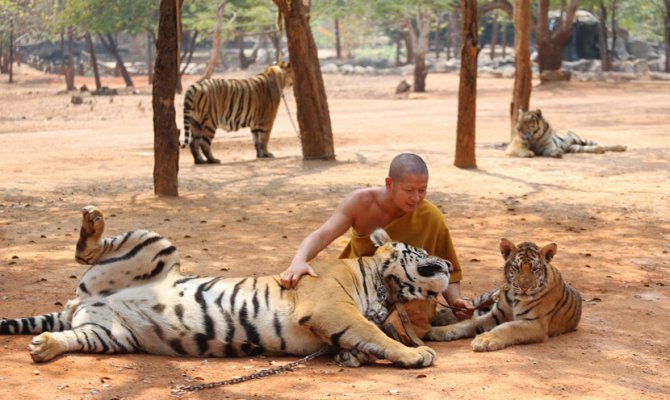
(401, 209)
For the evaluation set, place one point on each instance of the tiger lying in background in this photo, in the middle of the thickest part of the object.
(533, 305)
(232, 104)
(133, 298)
(536, 137)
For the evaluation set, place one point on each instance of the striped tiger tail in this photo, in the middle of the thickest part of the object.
(54, 322)
(188, 108)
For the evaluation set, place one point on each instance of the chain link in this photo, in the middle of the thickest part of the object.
(183, 389)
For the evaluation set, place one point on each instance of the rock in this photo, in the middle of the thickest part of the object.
(555, 75)
(76, 100)
(403, 87)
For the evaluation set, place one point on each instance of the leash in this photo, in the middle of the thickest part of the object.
(183, 389)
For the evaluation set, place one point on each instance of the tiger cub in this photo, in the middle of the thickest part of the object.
(133, 298)
(534, 304)
(536, 137)
(232, 104)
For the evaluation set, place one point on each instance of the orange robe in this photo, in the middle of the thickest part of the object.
(424, 228)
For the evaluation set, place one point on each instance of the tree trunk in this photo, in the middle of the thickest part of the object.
(62, 52)
(94, 60)
(338, 43)
(216, 41)
(523, 73)
(166, 134)
(150, 58)
(420, 73)
(467, 91)
(398, 41)
(504, 40)
(423, 18)
(613, 24)
(407, 36)
(550, 44)
(604, 56)
(110, 44)
(69, 71)
(438, 43)
(494, 35)
(10, 70)
(455, 23)
(316, 135)
(667, 36)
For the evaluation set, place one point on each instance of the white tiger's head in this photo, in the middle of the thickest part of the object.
(409, 272)
(530, 126)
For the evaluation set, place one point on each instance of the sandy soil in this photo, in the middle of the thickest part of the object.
(609, 214)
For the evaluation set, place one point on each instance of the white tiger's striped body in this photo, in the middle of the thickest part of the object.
(135, 299)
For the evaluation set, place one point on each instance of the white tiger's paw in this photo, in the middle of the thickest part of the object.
(352, 358)
(92, 221)
(422, 357)
(45, 347)
(487, 342)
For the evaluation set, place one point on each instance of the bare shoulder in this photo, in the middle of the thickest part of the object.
(364, 196)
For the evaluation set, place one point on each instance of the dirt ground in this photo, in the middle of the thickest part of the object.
(609, 215)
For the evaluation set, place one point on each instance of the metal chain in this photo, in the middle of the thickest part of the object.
(289, 115)
(183, 389)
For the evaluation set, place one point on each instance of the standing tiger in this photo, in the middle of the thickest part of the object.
(534, 304)
(536, 137)
(232, 104)
(133, 298)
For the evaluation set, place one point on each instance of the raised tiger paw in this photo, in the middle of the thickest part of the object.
(92, 221)
(422, 357)
(488, 342)
(352, 358)
(45, 347)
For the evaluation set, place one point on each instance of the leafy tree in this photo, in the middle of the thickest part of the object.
(550, 43)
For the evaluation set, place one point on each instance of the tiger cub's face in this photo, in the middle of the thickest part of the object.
(529, 126)
(410, 273)
(526, 266)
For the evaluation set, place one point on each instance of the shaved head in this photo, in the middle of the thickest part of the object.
(407, 163)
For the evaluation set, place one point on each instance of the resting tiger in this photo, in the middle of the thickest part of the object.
(232, 104)
(536, 137)
(534, 304)
(133, 298)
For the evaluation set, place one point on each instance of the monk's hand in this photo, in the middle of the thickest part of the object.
(290, 277)
(462, 308)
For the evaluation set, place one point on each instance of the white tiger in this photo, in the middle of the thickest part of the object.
(133, 298)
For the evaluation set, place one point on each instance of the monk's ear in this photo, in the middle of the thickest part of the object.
(507, 248)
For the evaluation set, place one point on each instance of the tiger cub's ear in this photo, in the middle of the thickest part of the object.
(507, 248)
(548, 252)
(538, 112)
(379, 237)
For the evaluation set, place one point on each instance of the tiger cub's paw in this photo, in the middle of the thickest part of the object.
(487, 342)
(352, 358)
(423, 356)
